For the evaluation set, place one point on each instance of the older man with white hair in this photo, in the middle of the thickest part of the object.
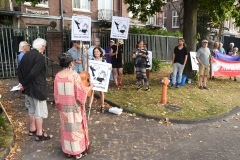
(96, 43)
(23, 48)
(32, 77)
(230, 49)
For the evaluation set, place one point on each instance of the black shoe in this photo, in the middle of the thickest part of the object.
(139, 87)
(200, 87)
(235, 79)
(147, 89)
(171, 85)
(205, 87)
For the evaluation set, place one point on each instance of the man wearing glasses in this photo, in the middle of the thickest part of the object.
(96, 43)
(23, 48)
(78, 57)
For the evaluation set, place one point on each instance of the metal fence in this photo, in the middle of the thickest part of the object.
(10, 37)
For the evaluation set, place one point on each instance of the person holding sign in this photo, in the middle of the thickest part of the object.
(97, 56)
(79, 58)
(141, 55)
(117, 62)
(179, 61)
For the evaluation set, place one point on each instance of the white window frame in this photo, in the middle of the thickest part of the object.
(164, 17)
(228, 24)
(38, 5)
(175, 17)
(81, 9)
(105, 4)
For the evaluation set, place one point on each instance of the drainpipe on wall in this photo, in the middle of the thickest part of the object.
(61, 15)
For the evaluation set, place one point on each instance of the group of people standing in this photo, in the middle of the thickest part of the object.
(70, 91)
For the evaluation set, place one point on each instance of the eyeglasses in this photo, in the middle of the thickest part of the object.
(77, 42)
(28, 45)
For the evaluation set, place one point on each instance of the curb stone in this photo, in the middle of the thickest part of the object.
(194, 121)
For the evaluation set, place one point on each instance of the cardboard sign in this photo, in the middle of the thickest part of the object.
(99, 73)
(194, 61)
(120, 27)
(81, 28)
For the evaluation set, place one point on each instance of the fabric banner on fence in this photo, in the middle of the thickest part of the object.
(225, 68)
(226, 57)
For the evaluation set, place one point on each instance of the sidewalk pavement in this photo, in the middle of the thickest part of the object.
(134, 138)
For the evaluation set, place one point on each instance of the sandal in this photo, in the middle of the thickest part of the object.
(43, 137)
(79, 156)
(32, 133)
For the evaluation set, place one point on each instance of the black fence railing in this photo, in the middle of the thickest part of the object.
(10, 37)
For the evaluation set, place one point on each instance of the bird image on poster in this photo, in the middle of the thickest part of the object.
(100, 74)
(81, 28)
(120, 27)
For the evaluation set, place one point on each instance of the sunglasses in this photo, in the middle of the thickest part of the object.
(77, 42)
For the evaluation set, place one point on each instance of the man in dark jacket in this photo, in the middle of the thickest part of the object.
(32, 77)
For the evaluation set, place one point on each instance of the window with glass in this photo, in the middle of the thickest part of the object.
(81, 4)
(175, 23)
(227, 24)
(164, 18)
(105, 9)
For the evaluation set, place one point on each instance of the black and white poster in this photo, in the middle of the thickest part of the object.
(99, 73)
(194, 61)
(120, 27)
(150, 59)
(81, 28)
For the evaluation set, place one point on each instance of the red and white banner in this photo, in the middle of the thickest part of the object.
(225, 68)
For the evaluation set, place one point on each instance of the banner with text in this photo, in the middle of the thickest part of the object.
(81, 28)
(226, 57)
(120, 27)
(225, 68)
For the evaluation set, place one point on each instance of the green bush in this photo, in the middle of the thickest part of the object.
(128, 67)
(155, 64)
(146, 30)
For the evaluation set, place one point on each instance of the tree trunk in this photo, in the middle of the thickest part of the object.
(190, 32)
(220, 32)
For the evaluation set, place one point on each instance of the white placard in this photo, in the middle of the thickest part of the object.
(81, 28)
(99, 75)
(150, 59)
(120, 27)
(194, 61)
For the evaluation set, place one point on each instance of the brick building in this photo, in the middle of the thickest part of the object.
(61, 11)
